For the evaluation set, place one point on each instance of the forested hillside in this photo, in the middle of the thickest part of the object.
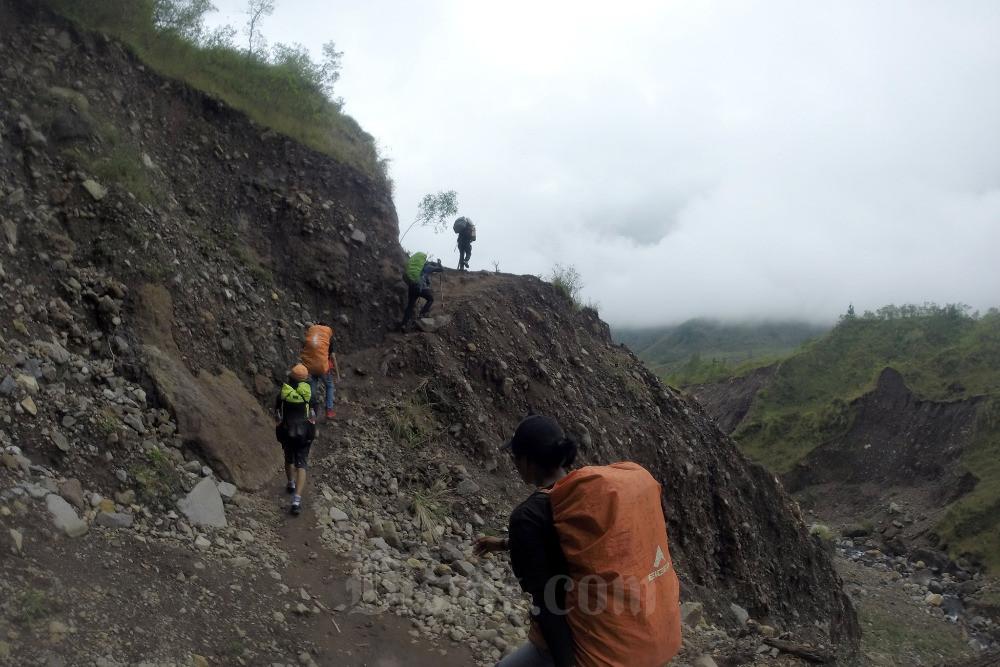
(702, 349)
(938, 423)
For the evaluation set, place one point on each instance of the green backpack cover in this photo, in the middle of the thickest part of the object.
(414, 265)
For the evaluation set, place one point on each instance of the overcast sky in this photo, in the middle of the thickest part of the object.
(689, 158)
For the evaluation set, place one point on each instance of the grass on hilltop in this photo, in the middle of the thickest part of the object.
(275, 95)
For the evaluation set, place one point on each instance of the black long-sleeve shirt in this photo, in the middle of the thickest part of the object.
(538, 563)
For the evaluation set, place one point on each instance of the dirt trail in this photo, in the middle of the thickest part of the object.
(344, 638)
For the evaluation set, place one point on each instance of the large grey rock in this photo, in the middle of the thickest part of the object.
(64, 517)
(114, 520)
(72, 491)
(467, 487)
(691, 613)
(227, 491)
(215, 412)
(203, 505)
(740, 613)
(96, 190)
(922, 577)
(432, 324)
(53, 351)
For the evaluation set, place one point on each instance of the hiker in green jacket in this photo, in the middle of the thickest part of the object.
(421, 289)
(295, 429)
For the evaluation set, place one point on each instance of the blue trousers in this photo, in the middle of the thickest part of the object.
(328, 381)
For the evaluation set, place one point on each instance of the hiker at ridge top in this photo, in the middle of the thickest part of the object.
(295, 430)
(420, 289)
(320, 361)
(466, 235)
(630, 574)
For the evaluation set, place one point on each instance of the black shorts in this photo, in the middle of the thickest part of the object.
(296, 456)
(296, 438)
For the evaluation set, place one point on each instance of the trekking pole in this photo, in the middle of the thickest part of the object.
(336, 364)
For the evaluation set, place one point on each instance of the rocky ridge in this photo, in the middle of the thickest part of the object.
(145, 320)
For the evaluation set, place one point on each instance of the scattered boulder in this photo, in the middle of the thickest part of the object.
(64, 517)
(114, 520)
(203, 505)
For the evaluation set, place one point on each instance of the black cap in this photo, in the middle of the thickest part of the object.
(535, 431)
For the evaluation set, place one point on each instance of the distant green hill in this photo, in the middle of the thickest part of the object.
(702, 349)
(943, 353)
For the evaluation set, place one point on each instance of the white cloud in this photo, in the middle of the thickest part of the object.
(691, 158)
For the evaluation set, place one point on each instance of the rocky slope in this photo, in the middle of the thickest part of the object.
(161, 260)
(884, 485)
(730, 402)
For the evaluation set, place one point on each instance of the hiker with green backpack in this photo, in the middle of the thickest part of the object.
(295, 429)
(417, 275)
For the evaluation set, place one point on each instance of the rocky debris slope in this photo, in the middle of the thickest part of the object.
(894, 444)
(515, 344)
(729, 402)
(923, 444)
(161, 259)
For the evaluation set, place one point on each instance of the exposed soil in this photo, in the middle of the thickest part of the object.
(730, 402)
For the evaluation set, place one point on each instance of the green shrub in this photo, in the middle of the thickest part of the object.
(159, 483)
(32, 606)
(430, 505)
(107, 422)
(568, 282)
(411, 421)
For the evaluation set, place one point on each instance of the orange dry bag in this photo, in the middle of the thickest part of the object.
(623, 603)
(316, 349)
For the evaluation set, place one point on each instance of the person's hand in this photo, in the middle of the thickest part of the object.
(488, 544)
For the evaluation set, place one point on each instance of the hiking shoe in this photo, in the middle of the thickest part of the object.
(296, 508)
(290, 487)
(330, 414)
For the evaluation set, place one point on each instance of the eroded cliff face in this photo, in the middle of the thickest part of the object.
(894, 440)
(731, 401)
(198, 269)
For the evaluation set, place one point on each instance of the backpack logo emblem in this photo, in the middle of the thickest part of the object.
(657, 570)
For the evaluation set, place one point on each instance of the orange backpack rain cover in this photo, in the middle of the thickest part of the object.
(316, 349)
(623, 605)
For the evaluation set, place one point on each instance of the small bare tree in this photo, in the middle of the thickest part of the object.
(257, 10)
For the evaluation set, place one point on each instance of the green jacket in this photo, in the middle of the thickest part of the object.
(294, 399)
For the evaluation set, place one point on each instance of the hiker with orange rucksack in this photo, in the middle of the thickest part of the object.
(417, 275)
(466, 236)
(320, 361)
(590, 547)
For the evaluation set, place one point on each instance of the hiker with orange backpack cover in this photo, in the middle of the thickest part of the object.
(590, 547)
(321, 362)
